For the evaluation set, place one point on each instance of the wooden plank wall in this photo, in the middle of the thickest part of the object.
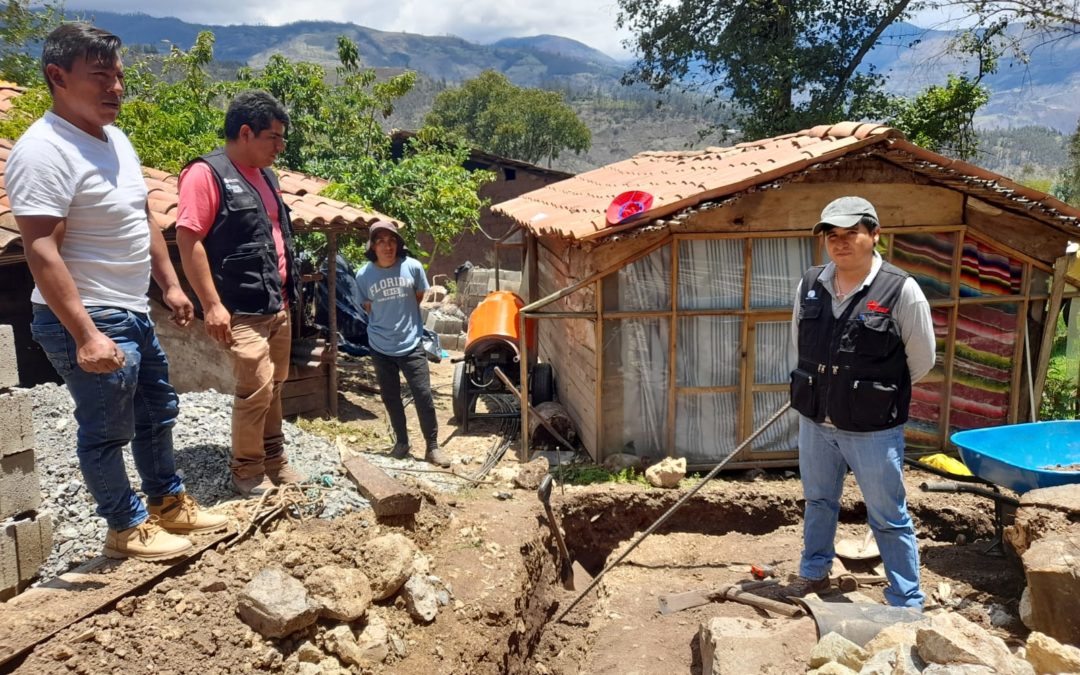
(306, 391)
(569, 345)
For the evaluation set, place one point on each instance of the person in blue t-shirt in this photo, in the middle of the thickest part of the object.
(391, 288)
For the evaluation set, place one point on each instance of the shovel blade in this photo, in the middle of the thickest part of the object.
(677, 602)
(574, 576)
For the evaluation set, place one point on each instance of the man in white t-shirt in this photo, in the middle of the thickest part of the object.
(79, 199)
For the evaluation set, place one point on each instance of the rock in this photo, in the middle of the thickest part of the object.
(834, 668)
(1047, 655)
(837, 648)
(667, 472)
(275, 604)
(503, 475)
(374, 640)
(1052, 568)
(896, 635)
(529, 475)
(736, 646)
(343, 593)
(308, 653)
(421, 598)
(893, 661)
(1025, 608)
(341, 642)
(388, 563)
(957, 669)
(949, 638)
(212, 585)
(622, 460)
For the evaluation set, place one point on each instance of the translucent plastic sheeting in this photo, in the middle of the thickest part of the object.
(635, 393)
(776, 267)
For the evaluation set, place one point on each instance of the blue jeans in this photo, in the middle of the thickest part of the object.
(414, 367)
(876, 458)
(135, 404)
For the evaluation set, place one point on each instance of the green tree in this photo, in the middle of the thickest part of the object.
(1067, 188)
(777, 65)
(942, 118)
(177, 115)
(499, 117)
(23, 24)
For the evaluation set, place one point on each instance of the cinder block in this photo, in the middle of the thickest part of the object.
(448, 324)
(16, 422)
(31, 539)
(9, 565)
(20, 489)
(33, 542)
(9, 368)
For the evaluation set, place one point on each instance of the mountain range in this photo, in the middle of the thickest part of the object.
(1043, 90)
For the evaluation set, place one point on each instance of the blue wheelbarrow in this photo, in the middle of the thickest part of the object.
(1023, 457)
(1017, 457)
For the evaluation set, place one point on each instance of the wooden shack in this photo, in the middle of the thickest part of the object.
(670, 334)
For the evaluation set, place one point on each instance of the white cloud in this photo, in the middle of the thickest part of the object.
(589, 21)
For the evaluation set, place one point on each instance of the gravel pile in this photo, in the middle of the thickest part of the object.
(202, 441)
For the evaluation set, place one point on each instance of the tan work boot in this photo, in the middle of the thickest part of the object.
(180, 514)
(254, 486)
(145, 541)
(284, 473)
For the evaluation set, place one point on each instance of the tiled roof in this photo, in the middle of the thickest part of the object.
(8, 91)
(575, 208)
(300, 193)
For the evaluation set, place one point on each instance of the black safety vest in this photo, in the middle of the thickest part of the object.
(240, 244)
(852, 368)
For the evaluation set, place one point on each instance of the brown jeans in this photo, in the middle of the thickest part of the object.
(261, 349)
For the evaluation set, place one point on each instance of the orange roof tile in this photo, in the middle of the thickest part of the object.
(299, 192)
(575, 208)
(8, 91)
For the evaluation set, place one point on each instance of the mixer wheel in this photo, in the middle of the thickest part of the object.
(460, 401)
(543, 383)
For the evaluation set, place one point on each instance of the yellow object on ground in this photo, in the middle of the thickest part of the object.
(947, 464)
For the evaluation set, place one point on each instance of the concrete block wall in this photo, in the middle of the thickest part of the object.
(479, 281)
(25, 535)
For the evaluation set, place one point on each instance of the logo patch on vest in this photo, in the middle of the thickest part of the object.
(233, 185)
(873, 306)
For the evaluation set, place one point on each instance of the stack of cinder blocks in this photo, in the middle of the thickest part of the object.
(25, 536)
(474, 287)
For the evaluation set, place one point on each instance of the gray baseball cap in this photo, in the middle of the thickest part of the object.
(845, 212)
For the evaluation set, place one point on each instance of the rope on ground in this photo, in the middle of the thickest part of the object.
(298, 502)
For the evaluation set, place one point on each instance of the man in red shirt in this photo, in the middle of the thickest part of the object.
(236, 245)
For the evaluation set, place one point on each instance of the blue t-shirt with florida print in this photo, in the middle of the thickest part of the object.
(394, 325)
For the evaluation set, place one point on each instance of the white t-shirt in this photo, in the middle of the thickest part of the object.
(57, 169)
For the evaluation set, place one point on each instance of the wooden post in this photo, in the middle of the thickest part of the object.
(523, 372)
(331, 290)
(1050, 327)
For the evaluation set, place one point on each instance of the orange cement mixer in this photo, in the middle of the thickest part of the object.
(492, 341)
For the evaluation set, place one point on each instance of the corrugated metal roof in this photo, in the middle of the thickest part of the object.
(575, 208)
(300, 192)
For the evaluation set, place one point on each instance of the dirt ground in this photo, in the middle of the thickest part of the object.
(498, 559)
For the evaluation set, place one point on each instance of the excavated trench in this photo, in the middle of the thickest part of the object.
(599, 525)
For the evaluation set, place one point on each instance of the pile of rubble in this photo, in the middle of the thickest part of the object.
(280, 602)
(943, 643)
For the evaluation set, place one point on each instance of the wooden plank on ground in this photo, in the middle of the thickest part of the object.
(388, 497)
(41, 612)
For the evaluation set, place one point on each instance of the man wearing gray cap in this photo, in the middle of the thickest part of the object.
(864, 335)
(391, 288)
